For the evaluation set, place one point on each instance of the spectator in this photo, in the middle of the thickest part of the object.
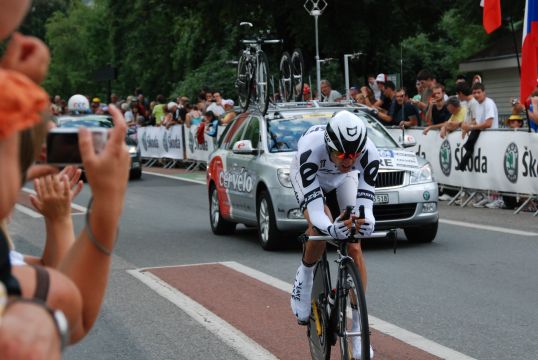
(216, 104)
(461, 79)
(307, 92)
(380, 81)
(463, 92)
(487, 117)
(384, 104)
(229, 114)
(114, 99)
(368, 95)
(142, 105)
(437, 112)
(372, 84)
(402, 112)
(533, 112)
(457, 118)
(96, 106)
(194, 116)
(353, 91)
(425, 78)
(515, 121)
(159, 110)
(172, 115)
(327, 93)
(56, 107)
(211, 125)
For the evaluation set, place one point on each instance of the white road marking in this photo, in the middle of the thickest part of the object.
(175, 177)
(487, 227)
(236, 339)
(406, 336)
(28, 211)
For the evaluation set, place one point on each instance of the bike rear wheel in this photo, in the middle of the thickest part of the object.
(297, 71)
(243, 82)
(353, 299)
(285, 77)
(262, 82)
(318, 329)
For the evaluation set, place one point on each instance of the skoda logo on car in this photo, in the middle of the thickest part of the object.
(511, 157)
(445, 158)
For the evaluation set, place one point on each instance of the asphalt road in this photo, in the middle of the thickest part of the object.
(472, 290)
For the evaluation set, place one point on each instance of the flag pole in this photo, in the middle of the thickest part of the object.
(522, 101)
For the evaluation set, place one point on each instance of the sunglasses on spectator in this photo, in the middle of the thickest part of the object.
(343, 155)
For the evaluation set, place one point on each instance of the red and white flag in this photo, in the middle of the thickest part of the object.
(529, 51)
(492, 15)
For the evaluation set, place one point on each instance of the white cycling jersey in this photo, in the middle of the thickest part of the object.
(313, 173)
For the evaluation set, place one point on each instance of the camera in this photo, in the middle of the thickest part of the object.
(63, 148)
(514, 101)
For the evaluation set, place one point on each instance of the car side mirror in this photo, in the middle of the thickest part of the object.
(408, 141)
(244, 147)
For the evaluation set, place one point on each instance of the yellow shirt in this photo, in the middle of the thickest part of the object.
(459, 116)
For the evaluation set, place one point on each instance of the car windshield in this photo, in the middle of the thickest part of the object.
(76, 123)
(283, 134)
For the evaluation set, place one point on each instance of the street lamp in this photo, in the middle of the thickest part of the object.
(315, 8)
(346, 69)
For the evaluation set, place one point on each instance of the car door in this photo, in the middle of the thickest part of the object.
(247, 171)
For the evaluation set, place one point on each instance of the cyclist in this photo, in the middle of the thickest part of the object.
(336, 166)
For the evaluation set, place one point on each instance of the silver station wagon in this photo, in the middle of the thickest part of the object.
(248, 176)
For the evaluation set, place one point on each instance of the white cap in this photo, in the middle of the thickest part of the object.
(228, 102)
(381, 78)
(78, 103)
(170, 105)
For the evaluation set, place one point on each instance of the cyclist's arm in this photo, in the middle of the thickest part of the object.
(369, 166)
(309, 186)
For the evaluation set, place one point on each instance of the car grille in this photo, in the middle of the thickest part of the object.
(394, 212)
(389, 179)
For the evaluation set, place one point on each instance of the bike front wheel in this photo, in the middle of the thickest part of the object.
(285, 77)
(319, 336)
(352, 306)
(262, 82)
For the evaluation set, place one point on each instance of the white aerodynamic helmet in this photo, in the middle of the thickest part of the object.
(345, 133)
(78, 103)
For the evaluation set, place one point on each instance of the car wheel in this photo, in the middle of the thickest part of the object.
(135, 174)
(423, 234)
(219, 225)
(269, 236)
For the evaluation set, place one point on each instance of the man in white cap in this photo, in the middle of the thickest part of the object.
(229, 113)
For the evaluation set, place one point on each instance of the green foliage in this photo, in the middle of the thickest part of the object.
(454, 41)
(176, 47)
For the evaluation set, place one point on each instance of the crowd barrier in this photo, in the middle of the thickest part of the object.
(504, 160)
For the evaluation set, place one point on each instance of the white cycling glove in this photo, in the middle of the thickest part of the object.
(367, 228)
(338, 230)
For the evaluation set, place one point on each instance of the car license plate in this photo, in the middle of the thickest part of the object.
(381, 198)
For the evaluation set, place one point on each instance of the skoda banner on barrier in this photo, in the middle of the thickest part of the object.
(159, 142)
(502, 160)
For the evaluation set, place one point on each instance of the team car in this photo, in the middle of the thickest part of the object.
(248, 175)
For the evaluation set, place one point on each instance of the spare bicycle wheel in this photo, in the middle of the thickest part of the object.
(243, 82)
(285, 77)
(297, 71)
(262, 82)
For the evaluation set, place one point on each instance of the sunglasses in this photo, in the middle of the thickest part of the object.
(343, 155)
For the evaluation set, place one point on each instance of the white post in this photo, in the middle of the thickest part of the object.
(318, 70)
(346, 74)
(315, 8)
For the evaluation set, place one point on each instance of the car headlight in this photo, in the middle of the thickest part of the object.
(422, 175)
(132, 149)
(284, 177)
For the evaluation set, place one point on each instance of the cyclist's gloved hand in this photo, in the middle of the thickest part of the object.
(338, 230)
(365, 213)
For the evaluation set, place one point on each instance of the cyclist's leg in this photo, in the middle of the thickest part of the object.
(302, 287)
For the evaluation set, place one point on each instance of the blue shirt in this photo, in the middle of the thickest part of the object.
(532, 124)
(213, 128)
